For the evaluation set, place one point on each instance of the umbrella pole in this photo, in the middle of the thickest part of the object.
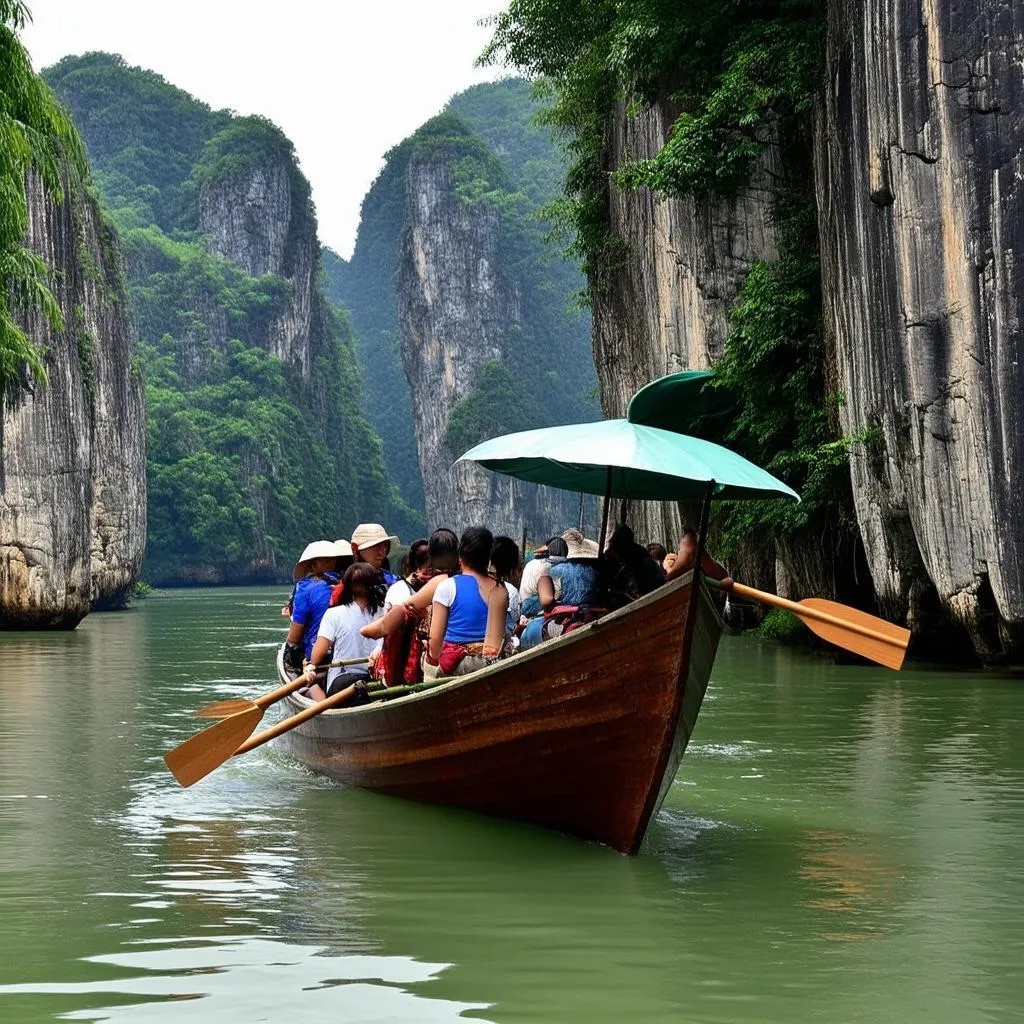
(705, 515)
(604, 514)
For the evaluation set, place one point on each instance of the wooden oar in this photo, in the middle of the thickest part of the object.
(226, 708)
(199, 755)
(193, 761)
(867, 635)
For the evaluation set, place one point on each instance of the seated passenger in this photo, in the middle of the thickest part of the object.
(340, 638)
(443, 548)
(415, 573)
(372, 543)
(467, 623)
(345, 559)
(632, 571)
(535, 565)
(315, 575)
(576, 579)
(504, 567)
(686, 556)
(657, 552)
(402, 650)
(556, 550)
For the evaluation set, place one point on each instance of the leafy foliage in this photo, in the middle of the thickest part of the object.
(35, 134)
(498, 403)
(246, 459)
(499, 155)
(745, 75)
(784, 628)
(144, 136)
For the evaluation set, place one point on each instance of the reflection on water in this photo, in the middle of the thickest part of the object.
(246, 978)
(841, 844)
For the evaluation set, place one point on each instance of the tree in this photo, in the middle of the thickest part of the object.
(37, 135)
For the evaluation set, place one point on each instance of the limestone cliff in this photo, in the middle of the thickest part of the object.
(664, 305)
(922, 228)
(257, 213)
(72, 452)
(458, 312)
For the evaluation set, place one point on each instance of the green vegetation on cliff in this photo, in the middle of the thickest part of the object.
(745, 76)
(248, 456)
(35, 135)
(498, 154)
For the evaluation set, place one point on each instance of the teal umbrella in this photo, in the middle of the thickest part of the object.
(620, 459)
(686, 401)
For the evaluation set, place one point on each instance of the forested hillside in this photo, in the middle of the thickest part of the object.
(822, 198)
(257, 440)
(499, 157)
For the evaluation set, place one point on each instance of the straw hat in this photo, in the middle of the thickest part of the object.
(580, 547)
(344, 548)
(318, 549)
(369, 535)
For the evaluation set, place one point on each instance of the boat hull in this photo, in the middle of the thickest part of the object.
(583, 734)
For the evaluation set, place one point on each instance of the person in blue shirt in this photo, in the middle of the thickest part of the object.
(371, 543)
(315, 576)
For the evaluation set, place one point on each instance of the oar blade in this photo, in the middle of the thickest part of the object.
(889, 651)
(224, 708)
(201, 754)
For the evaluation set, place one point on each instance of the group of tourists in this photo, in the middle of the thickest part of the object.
(459, 604)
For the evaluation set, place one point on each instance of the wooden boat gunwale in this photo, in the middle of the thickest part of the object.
(505, 664)
(570, 747)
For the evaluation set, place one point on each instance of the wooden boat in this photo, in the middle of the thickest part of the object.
(583, 734)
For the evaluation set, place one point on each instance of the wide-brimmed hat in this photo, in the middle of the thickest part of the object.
(369, 535)
(318, 549)
(344, 548)
(580, 547)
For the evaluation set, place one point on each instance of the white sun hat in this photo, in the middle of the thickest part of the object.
(318, 549)
(369, 535)
(344, 548)
(581, 547)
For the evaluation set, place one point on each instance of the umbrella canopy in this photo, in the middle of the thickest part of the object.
(620, 459)
(684, 399)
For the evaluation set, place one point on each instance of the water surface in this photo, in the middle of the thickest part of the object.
(841, 844)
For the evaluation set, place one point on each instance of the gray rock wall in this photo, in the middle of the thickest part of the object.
(250, 219)
(665, 307)
(922, 228)
(454, 310)
(72, 452)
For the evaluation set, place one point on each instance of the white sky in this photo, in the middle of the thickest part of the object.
(346, 80)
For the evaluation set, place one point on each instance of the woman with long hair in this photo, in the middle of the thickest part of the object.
(506, 569)
(405, 624)
(340, 638)
(467, 620)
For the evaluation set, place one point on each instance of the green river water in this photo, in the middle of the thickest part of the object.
(842, 844)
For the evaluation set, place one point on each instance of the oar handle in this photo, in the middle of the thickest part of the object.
(346, 661)
(804, 610)
(290, 723)
(282, 691)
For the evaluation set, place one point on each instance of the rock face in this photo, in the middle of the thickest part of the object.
(455, 311)
(922, 226)
(254, 217)
(665, 306)
(72, 452)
